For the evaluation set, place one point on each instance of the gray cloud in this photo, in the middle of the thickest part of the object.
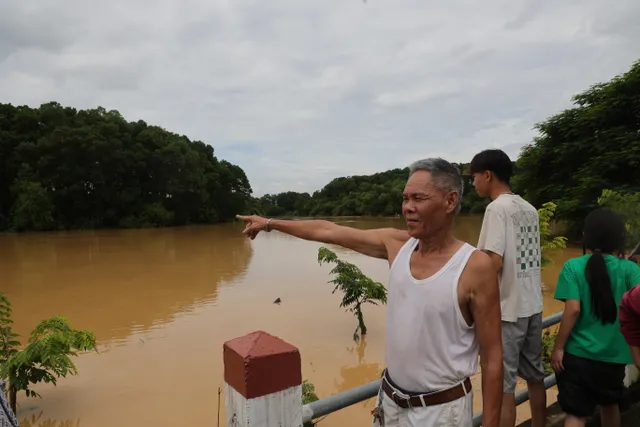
(298, 93)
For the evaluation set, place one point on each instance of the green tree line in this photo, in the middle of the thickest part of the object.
(62, 168)
(379, 194)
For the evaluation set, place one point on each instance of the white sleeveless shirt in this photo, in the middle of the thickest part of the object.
(429, 345)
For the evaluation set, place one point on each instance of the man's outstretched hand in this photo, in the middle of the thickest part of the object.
(255, 224)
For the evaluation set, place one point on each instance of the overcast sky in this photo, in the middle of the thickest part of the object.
(298, 92)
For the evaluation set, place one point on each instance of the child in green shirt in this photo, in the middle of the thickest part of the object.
(590, 352)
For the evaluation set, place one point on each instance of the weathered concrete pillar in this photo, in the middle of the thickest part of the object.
(262, 382)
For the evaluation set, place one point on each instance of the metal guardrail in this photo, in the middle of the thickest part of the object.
(359, 394)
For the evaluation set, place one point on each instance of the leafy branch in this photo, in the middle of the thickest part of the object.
(547, 241)
(45, 358)
(356, 287)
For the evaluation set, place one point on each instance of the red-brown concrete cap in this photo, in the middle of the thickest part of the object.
(258, 364)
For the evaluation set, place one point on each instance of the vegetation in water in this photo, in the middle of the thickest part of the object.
(357, 288)
(45, 358)
(62, 168)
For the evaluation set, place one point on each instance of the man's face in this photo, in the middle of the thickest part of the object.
(481, 183)
(426, 208)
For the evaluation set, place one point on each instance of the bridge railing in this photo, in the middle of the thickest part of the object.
(359, 394)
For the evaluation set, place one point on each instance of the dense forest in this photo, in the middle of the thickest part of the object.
(578, 153)
(62, 168)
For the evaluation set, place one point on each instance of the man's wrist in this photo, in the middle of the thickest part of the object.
(267, 226)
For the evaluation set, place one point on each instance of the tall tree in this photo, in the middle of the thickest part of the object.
(583, 150)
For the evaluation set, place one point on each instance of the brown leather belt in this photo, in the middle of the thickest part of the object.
(430, 399)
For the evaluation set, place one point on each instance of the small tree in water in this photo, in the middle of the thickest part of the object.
(356, 287)
(44, 358)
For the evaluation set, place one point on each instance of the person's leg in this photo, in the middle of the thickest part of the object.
(573, 421)
(609, 388)
(531, 369)
(574, 396)
(610, 416)
(513, 334)
(537, 403)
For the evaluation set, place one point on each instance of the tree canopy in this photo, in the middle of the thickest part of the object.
(586, 149)
(62, 168)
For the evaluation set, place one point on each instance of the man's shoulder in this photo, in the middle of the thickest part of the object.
(479, 265)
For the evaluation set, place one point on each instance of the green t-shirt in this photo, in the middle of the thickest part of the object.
(590, 338)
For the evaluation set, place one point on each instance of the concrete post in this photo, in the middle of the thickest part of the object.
(262, 382)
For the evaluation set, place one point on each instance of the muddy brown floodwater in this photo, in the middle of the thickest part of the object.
(162, 302)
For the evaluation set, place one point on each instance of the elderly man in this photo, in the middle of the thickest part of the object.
(630, 321)
(443, 305)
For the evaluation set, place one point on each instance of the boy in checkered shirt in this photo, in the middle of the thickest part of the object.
(510, 235)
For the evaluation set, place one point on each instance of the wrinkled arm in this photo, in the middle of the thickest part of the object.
(374, 243)
(485, 308)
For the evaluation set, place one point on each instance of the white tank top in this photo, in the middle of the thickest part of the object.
(429, 346)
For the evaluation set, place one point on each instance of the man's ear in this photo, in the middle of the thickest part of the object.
(487, 175)
(452, 199)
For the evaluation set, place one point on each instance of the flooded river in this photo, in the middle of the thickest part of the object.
(162, 302)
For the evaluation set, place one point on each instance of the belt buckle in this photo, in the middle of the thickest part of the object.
(406, 399)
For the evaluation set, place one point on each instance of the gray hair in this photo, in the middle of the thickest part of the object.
(445, 176)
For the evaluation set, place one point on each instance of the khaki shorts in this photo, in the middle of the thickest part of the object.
(522, 351)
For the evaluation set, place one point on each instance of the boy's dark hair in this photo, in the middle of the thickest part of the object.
(492, 160)
(604, 234)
